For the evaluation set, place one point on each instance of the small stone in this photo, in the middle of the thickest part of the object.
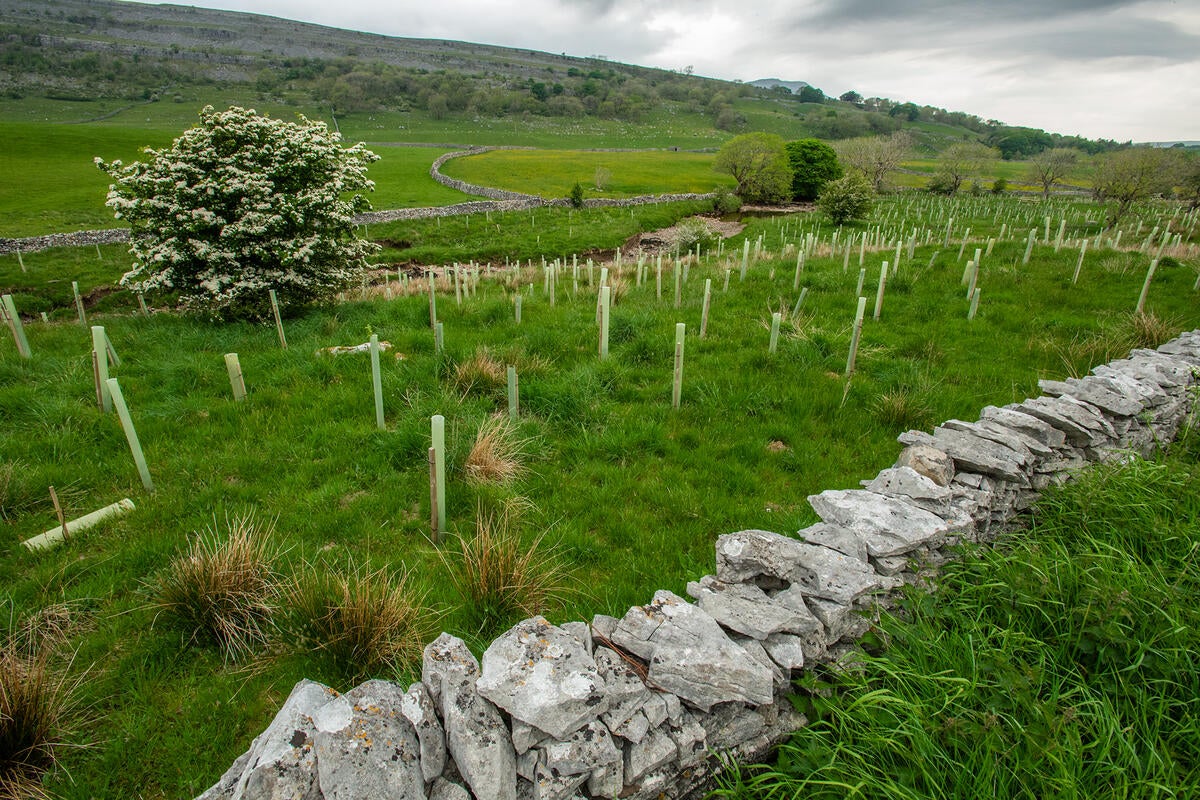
(447, 790)
(589, 747)
(652, 752)
(929, 462)
(786, 650)
(834, 537)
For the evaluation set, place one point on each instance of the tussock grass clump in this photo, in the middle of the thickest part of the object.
(502, 578)
(902, 409)
(497, 455)
(362, 622)
(225, 589)
(36, 701)
(481, 374)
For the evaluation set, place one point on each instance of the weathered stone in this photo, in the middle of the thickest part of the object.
(1095, 391)
(652, 752)
(887, 525)
(476, 735)
(603, 626)
(1149, 393)
(690, 655)
(542, 675)
(747, 609)
(607, 781)
(587, 748)
(893, 565)
(836, 538)
(1081, 427)
(754, 649)
(673, 706)
(627, 695)
(906, 482)
(928, 461)
(447, 790)
(527, 765)
(655, 709)
(282, 759)
(525, 736)
(366, 747)
(975, 453)
(840, 619)
(820, 571)
(225, 785)
(1027, 424)
(690, 740)
(1016, 441)
(549, 786)
(580, 631)
(418, 707)
(786, 650)
(731, 724)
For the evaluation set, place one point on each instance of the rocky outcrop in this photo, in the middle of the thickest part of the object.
(647, 705)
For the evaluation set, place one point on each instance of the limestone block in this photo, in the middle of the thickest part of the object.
(974, 453)
(1096, 391)
(917, 489)
(750, 555)
(366, 747)
(652, 752)
(586, 749)
(476, 735)
(417, 706)
(746, 609)
(447, 790)
(282, 759)
(690, 655)
(542, 675)
(836, 538)
(928, 461)
(887, 525)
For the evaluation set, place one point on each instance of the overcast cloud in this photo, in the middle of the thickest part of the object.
(1116, 69)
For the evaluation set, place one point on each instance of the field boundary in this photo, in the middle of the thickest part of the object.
(652, 704)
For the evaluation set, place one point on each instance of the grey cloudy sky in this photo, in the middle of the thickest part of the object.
(1117, 69)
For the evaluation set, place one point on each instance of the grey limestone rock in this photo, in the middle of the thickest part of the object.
(906, 482)
(1027, 424)
(542, 675)
(1083, 427)
(549, 786)
(929, 461)
(786, 650)
(752, 555)
(282, 760)
(976, 453)
(607, 781)
(690, 655)
(888, 525)
(366, 747)
(627, 696)
(1096, 391)
(731, 724)
(690, 740)
(746, 609)
(448, 790)
(836, 538)
(417, 706)
(580, 631)
(476, 735)
(589, 747)
(652, 752)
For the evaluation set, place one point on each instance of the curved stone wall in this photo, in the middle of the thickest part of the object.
(646, 705)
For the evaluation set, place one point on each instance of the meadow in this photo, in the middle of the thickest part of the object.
(614, 486)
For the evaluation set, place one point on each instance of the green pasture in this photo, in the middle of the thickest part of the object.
(629, 493)
(552, 173)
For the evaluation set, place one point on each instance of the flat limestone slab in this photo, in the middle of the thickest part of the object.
(888, 526)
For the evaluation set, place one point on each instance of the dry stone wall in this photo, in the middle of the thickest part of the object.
(645, 706)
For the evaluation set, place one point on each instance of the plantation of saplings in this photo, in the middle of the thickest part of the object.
(607, 474)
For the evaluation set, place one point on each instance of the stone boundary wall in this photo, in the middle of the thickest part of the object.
(647, 705)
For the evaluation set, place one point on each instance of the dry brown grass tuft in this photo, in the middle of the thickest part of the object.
(501, 578)
(497, 455)
(902, 409)
(363, 622)
(224, 590)
(481, 374)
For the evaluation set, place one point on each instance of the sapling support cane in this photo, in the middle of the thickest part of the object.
(55, 535)
(278, 320)
(135, 447)
(437, 455)
(855, 336)
(377, 383)
(237, 381)
(677, 384)
(704, 309)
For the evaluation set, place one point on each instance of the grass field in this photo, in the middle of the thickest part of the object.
(627, 492)
(1062, 663)
(552, 173)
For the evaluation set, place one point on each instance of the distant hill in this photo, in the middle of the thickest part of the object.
(770, 83)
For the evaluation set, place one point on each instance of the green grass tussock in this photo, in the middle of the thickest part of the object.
(1065, 662)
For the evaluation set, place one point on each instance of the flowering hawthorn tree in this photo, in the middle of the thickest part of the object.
(242, 204)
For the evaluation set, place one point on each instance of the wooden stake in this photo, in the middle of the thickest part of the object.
(677, 385)
(278, 320)
(377, 383)
(135, 447)
(434, 521)
(62, 520)
(236, 381)
(100, 366)
(974, 304)
(513, 395)
(78, 303)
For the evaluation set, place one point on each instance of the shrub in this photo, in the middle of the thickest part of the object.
(814, 164)
(691, 232)
(242, 204)
(999, 186)
(847, 199)
(499, 577)
(726, 202)
(576, 195)
(759, 164)
(222, 591)
(496, 456)
(362, 623)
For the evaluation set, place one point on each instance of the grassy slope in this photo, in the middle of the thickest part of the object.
(1063, 663)
(615, 475)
